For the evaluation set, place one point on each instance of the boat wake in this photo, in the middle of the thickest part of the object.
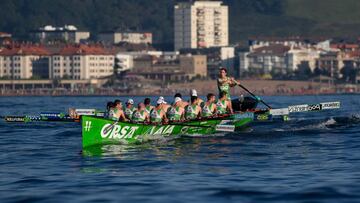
(319, 124)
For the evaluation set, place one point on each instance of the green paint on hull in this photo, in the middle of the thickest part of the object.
(99, 131)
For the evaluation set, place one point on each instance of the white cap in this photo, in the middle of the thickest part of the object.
(130, 101)
(162, 100)
(177, 99)
(193, 93)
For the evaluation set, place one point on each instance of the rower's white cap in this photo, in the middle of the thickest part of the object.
(177, 99)
(130, 101)
(161, 100)
(193, 93)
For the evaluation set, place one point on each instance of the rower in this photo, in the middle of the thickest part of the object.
(182, 103)
(198, 101)
(176, 112)
(140, 115)
(165, 105)
(193, 110)
(117, 111)
(209, 108)
(157, 114)
(224, 82)
(223, 105)
(148, 106)
(129, 110)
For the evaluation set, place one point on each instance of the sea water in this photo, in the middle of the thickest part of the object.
(314, 157)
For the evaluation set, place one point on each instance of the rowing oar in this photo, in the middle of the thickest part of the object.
(256, 97)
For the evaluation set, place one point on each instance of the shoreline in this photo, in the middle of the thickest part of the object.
(258, 87)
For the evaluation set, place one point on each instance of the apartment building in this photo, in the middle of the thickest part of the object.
(201, 24)
(24, 62)
(81, 62)
(128, 37)
(330, 63)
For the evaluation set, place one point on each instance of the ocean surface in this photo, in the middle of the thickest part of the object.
(315, 157)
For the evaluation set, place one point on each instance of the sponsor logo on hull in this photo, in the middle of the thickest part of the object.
(279, 112)
(330, 105)
(124, 132)
(298, 108)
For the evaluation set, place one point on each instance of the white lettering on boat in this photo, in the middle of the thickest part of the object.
(298, 108)
(162, 130)
(87, 126)
(118, 132)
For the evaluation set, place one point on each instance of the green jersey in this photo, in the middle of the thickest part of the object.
(174, 114)
(221, 107)
(224, 87)
(129, 112)
(148, 109)
(139, 116)
(206, 110)
(190, 112)
(112, 114)
(155, 116)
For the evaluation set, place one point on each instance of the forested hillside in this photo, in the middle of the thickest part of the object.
(247, 17)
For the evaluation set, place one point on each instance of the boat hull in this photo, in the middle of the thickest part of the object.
(100, 131)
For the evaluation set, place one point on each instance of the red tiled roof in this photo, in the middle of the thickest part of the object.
(275, 49)
(345, 46)
(289, 38)
(353, 54)
(83, 50)
(24, 50)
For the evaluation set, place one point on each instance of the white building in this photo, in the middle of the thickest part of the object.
(228, 59)
(68, 33)
(81, 62)
(129, 37)
(298, 55)
(24, 62)
(124, 61)
(201, 24)
(279, 58)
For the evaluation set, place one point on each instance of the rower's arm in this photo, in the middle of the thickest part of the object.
(233, 82)
(147, 117)
(122, 116)
(229, 106)
(164, 115)
(199, 112)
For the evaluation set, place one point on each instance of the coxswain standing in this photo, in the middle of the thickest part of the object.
(193, 110)
(129, 110)
(176, 112)
(148, 106)
(157, 114)
(224, 82)
(223, 105)
(209, 108)
(140, 115)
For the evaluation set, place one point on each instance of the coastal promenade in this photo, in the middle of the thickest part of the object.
(259, 87)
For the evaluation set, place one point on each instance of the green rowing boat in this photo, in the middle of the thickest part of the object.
(100, 131)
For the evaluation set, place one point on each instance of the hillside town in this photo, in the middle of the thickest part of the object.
(69, 61)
